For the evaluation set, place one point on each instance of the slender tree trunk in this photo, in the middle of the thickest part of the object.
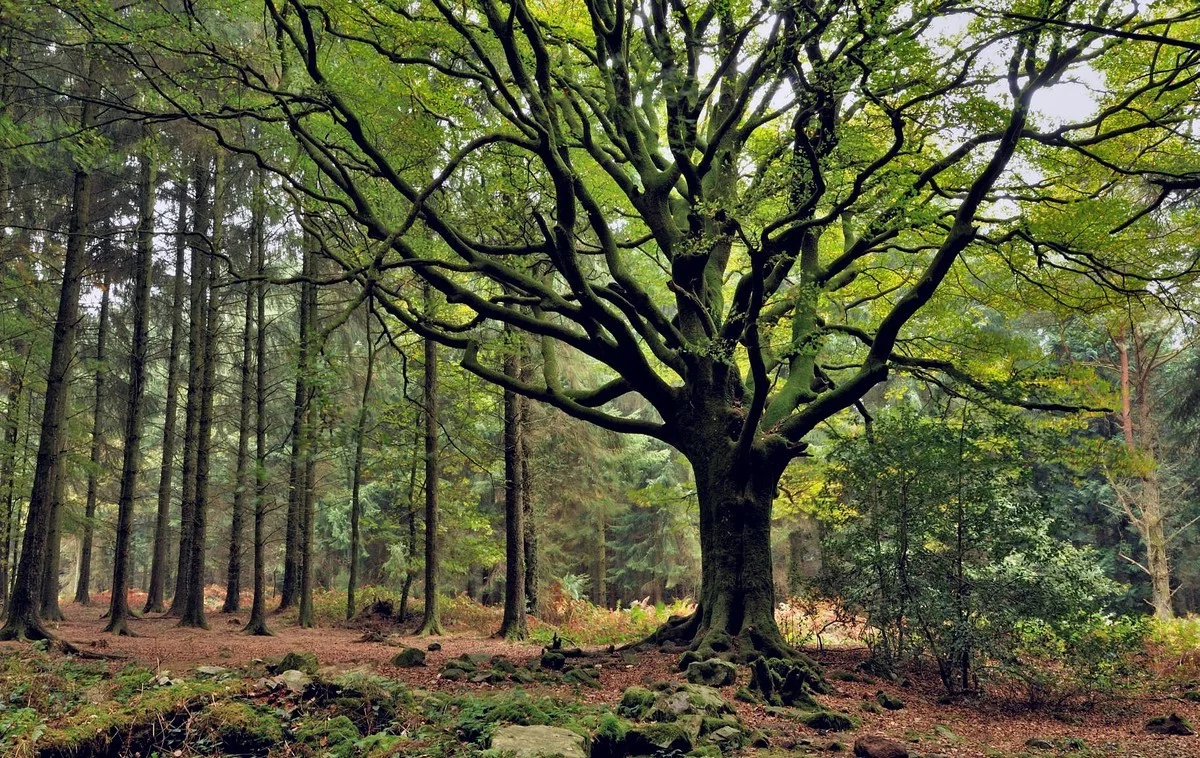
(191, 415)
(193, 610)
(308, 520)
(410, 569)
(23, 618)
(118, 609)
(1146, 512)
(8, 468)
(514, 624)
(158, 564)
(258, 606)
(233, 571)
(530, 536)
(292, 559)
(52, 563)
(360, 434)
(93, 481)
(432, 622)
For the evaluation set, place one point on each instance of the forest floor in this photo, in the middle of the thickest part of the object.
(990, 726)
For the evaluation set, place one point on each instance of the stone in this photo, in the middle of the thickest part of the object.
(891, 702)
(306, 662)
(433, 647)
(875, 746)
(502, 664)
(657, 738)
(1039, 743)
(409, 657)
(553, 660)
(829, 721)
(293, 679)
(588, 677)
(1173, 724)
(714, 672)
(211, 670)
(522, 676)
(539, 742)
(454, 674)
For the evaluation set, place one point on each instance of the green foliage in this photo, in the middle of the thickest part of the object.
(1086, 658)
(479, 716)
(939, 541)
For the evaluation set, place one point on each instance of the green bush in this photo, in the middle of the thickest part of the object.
(940, 542)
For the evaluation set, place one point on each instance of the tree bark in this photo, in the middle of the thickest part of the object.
(233, 570)
(158, 563)
(118, 608)
(258, 606)
(52, 563)
(292, 559)
(432, 622)
(360, 434)
(191, 414)
(93, 481)
(193, 610)
(23, 617)
(514, 624)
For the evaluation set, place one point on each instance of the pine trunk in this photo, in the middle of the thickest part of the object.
(432, 622)
(162, 520)
(233, 569)
(193, 614)
(93, 481)
(191, 415)
(118, 609)
(258, 606)
(514, 624)
(23, 619)
(360, 434)
(292, 560)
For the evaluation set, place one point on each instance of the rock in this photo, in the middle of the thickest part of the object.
(946, 733)
(588, 677)
(409, 657)
(454, 674)
(687, 659)
(522, 676)
(714, 672)
(293, 679)
(502, 664)
(654, 739)
(211, 670)
(306, 662)
(539, 741)
(553, 660)
(727, 736)
(670, 700)
(1173, 724)
(890, 702)
(870, 706)
(487, 677)
(1039, 743)
(874, 746)
(433, 647)
(829, 721)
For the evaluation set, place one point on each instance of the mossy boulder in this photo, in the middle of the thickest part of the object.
(553, 660)
(585, 676)
(297, 661)
(539, 741)
(409, 657)
(1173, 724)
(636, 703)
(671, 701)
(608, 741)
(714, 673)
(240, 728)
(829, 721)
(658, 737)
(891, 702)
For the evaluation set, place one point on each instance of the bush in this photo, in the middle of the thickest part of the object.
(1083, 659)
(941, 544)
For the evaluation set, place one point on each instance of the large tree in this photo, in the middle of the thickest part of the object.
(740, 210)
